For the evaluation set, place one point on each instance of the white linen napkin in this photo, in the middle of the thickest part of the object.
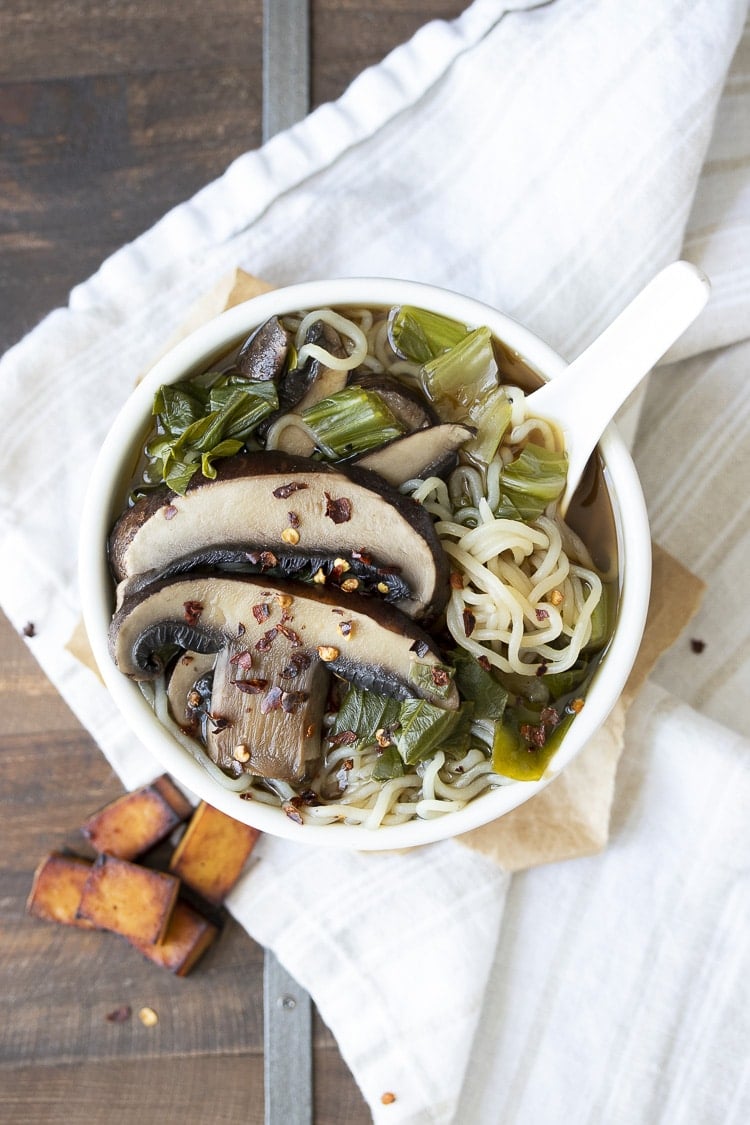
(545, 158)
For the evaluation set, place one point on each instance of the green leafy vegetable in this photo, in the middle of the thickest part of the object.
(351, 421)
(198, 424)
(530, 482)
(423, 728)
(475, 683)
(419, 335)
(364, 713)
(389, 765)
(463, 382)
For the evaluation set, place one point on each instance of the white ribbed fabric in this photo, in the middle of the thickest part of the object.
(547, 158)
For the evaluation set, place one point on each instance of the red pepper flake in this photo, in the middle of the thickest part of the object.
(541, 614)
(388, 1098)
(120, 1015)
(261, 612)
(340, 511)
(241, 630)
(170, 512)
(242, 659)
(310, 798)
(265, 642)
(265, 559)
(576, 706)
(193, 610)
(419, 647)
(549, 716)
(271, 700)
(220, 723)
(345, 628)
(187, 659)
(440, 677)
(298, 662)
(294, 520)
(291, 636)
(246, 796)
(469, 622)
(697, 646)
(536, 736)
(363, 557)
(542, 669)
(29, 629)
(343, 738)
(252, 686)
(284, 491)
(484, 662)
(291, 701)
(457, 581)
(292, 812)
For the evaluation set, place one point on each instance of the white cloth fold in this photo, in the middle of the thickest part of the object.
(546, 158)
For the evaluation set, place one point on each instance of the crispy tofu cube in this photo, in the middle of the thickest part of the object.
(128, 899)
(212, 852)
(57, 888)
(188, 937)
(137, 821)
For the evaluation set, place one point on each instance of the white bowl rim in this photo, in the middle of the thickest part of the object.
(116, 456)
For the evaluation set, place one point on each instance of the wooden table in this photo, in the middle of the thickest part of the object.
(110, 113)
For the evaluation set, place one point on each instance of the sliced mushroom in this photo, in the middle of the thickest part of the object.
(313, 381)
(263, 355)
(189, 669)
(425, 453)
(262, 502)
(368, 643)
(277, 643)
(267, 710)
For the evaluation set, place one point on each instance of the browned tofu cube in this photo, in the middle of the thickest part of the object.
(212, 853)
(135, 822)
(130, 900)
(56, 890)
(188, 937)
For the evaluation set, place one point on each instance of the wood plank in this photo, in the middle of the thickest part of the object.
(60, 38)
(225, 1089)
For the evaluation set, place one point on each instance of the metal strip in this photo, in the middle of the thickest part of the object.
(287, 1038)
(286, 64)
(287, 1008)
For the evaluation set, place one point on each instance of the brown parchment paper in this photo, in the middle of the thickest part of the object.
(570, 817)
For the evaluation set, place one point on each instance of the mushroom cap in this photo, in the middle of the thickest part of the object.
(336, 509)
(365, 642)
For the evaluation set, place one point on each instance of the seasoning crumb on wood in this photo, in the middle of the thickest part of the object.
(120, 1014)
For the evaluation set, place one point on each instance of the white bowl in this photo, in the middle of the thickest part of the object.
(115, 464)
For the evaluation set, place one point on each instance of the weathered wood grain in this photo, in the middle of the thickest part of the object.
(110, 114)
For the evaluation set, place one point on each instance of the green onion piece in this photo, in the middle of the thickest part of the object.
(351, 421)
(419, 335)
(475, 683)
(364, 714)
(531, 482)
(389, 765)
